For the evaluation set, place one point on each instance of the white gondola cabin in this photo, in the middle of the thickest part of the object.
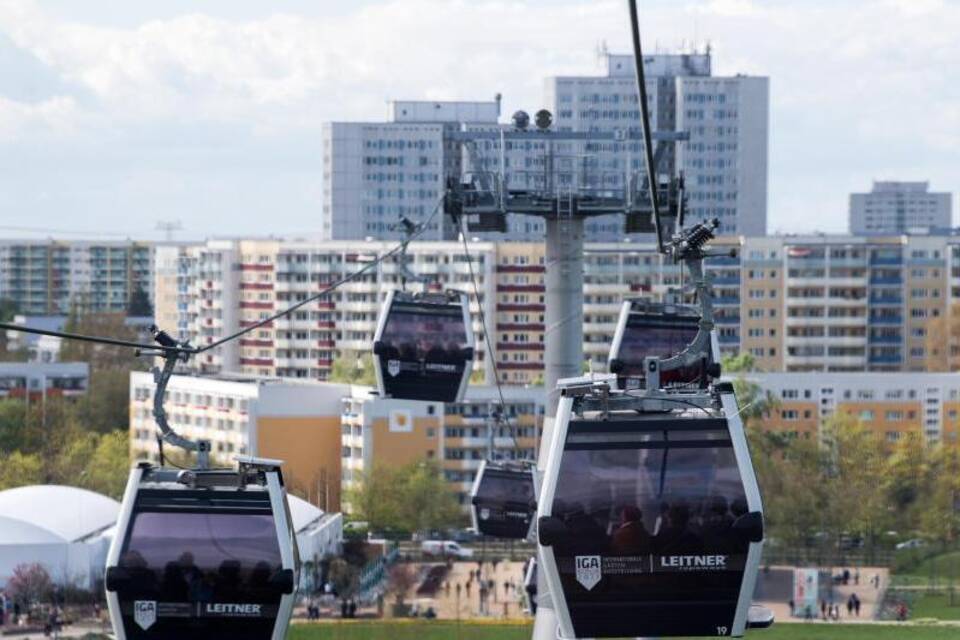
(424, 346)
(503, 499)
(649, 520)
(203, 554)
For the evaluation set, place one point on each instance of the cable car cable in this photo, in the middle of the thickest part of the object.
(187, 350)
(486, 339)
(645, 120)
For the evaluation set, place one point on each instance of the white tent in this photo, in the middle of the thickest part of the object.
(68, 530)
(58, 527)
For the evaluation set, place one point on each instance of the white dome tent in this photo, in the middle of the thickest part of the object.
(58, 527)
(68, 530)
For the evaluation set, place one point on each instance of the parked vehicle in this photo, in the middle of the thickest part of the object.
(913, 543)
(445, 549)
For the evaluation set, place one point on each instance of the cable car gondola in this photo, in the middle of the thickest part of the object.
(650, 329)
(424, 346)
(650, 521)
(203, 554)
(503, 499)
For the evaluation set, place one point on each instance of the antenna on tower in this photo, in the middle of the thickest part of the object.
(169, 227)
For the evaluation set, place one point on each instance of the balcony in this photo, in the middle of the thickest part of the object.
(727, 320)
(885, 359)
(886, 260)
(886, 280)
(886, 299)
(733, 300)
(886, 339)
(888, 320)
(726, 280)
(724, 339)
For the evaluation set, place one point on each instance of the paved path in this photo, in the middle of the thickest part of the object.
(501, 603)
(870, 597)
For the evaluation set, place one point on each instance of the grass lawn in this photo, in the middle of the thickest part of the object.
(451, 631)
(936, 606)
(941, 565)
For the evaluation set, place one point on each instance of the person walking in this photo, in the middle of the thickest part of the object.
(856, 605)
(850, 605)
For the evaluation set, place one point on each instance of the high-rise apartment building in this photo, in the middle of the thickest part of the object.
(900, 207)
(53, 277)
(725, 159)
(795, 303)
(375, 172)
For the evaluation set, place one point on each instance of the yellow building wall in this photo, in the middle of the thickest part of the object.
(806, 423)
(397, 448)
(911, 412)
(310, 448)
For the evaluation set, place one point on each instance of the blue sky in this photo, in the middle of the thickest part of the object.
(114, 115)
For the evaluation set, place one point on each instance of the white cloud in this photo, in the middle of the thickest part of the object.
(858, 88)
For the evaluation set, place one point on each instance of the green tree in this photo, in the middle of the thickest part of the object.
(938, 517)
(855, 478)
(427, 500)
(789, 473)
(754, 402)
(18, 469)
(8, 309)
(353, 368)
(139, 305)
(414, 497)
(740, 363)
(907, 480)
(107, 470)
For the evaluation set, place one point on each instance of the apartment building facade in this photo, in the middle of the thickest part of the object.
(37, 381)
(53, 277)
(374, 172)
(225, 286)
(897, 207)
(795, 303)
(291, 420)
(725, 159)
(459, 436)
(893, 405)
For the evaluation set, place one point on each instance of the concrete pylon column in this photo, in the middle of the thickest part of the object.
(563, 317)
(563, 352)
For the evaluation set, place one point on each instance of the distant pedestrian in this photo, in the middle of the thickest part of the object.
(856, 605)
(856, 577)
(823, 609)
(790, 605)
(850, 605)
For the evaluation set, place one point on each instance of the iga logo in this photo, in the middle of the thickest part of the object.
(393, 368)
(588, 571)
(145, 613)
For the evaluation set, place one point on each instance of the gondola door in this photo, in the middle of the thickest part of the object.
(201, 564)
(649, 525)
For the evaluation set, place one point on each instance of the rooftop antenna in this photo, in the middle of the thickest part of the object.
(169, 227)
